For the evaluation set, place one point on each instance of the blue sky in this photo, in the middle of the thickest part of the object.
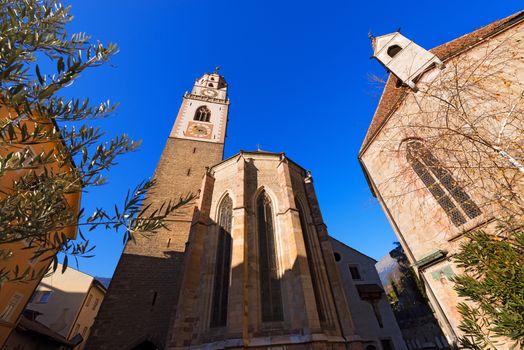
(299, 82)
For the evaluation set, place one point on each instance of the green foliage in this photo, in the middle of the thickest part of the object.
(493, 280)
(392, 295)
(34, 208)
(408, 278)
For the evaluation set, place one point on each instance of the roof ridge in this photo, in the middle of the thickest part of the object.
(354, 249)
(392, 95)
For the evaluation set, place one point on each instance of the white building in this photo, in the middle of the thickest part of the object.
(66, 303)
(373, 318)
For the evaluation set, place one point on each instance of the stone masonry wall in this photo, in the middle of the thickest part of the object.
(143, 293)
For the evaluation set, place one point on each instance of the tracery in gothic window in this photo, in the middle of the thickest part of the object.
(270, 285)
(315, 278)
(202, 114)
(440, 182)
(222, 265)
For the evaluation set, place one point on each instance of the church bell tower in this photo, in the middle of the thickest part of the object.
(203, 114)
(146, 284)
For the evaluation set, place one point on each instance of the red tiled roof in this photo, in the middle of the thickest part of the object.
(391, 96)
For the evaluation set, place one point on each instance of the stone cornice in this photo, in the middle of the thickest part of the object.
(205, 98)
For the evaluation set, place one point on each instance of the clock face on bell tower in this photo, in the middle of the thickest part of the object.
(199, 130)
(203, 114)
(209, 92)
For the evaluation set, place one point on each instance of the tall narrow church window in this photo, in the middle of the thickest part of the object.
(202, 114)
(314, 273)
(222, 265)
(440, 182)
(270, 286)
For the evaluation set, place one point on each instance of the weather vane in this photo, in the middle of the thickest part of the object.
(217, 68)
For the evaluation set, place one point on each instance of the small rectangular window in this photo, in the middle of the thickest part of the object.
(88, 302)
(44, 297)
(10, 307)
(95, 304)
(84, 332)
(355, 274)
(387, 344)
(77, 328)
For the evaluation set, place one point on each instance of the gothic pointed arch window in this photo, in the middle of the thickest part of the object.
(315, 277)
(457, 204)
(202, 114)
(222, 264)
(270, 284)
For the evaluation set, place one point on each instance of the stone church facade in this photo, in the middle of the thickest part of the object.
(259, 269)
(443, 153)
(248, 265)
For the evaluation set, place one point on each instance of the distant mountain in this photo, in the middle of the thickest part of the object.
(104, 280)
(386, 267)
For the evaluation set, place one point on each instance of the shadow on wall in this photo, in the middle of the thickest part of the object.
(143, 304)
(276, 301)
(145, 295)
(56, 308)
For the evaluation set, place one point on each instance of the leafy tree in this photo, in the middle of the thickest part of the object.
(493, 280)
(393, 294)
(33, 112)
(408, 280)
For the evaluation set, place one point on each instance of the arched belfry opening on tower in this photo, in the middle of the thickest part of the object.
(248, 265)
(403, 57)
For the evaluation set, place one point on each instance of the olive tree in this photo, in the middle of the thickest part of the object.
(35, 178)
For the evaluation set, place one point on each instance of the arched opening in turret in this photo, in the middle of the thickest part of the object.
(393, 50)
